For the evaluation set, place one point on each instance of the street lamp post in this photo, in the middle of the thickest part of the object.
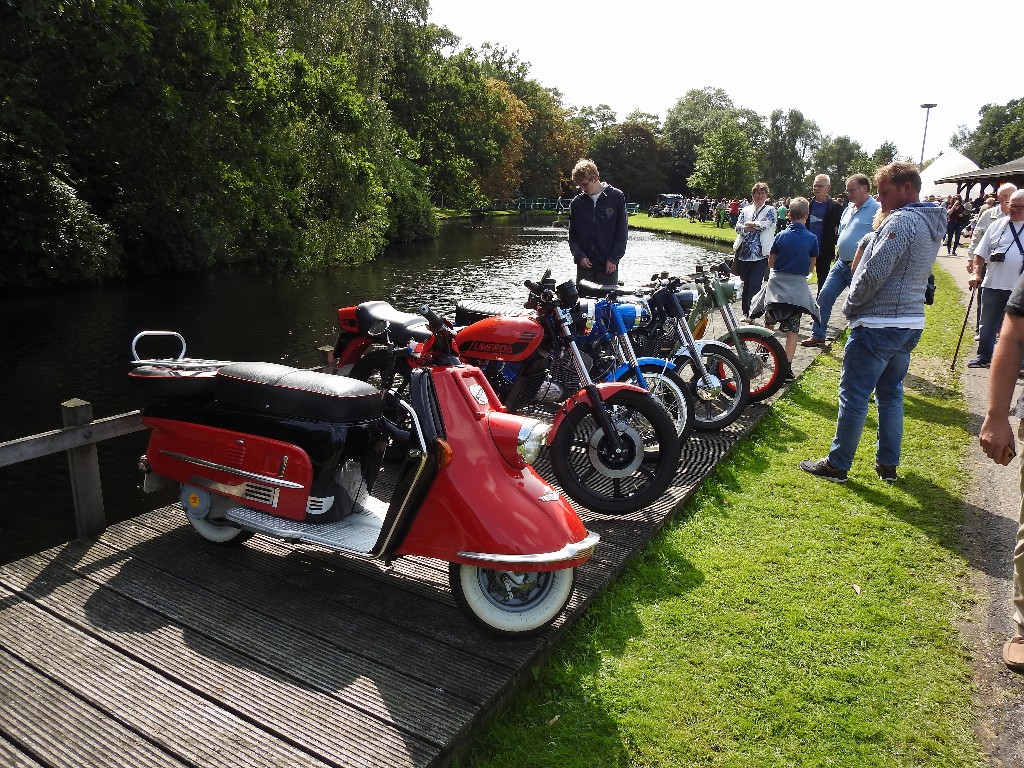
(927, 111)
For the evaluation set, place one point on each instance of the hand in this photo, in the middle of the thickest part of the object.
(974, 282)
(996, 439)
(970, 266)
(609, 268)
(585, 263)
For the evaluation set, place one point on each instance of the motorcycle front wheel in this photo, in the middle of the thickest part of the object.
(514, 603)
(719, 399)
(764, 360)
(672, 392)
(590, 472)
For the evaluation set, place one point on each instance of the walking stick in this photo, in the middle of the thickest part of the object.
(962, 329)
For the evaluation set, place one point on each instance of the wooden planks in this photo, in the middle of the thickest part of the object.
(152, 647)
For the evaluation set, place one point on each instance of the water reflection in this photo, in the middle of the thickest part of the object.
(75, 343)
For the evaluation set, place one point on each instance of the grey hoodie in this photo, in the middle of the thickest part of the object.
(893, 272)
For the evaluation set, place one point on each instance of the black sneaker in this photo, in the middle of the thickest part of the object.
(977, 362)
(822, 468)
(788, 375)
(887, 472)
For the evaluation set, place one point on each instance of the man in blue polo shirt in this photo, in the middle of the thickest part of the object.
(854, 224)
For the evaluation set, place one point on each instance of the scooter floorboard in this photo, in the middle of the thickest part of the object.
(356, 533)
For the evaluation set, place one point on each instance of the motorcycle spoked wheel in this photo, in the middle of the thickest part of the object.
(767, 361)
(224, 533)
(584, 466)
(671, 391)
(513, 603)
(719, 402)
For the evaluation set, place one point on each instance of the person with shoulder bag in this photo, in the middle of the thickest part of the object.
(755, 230)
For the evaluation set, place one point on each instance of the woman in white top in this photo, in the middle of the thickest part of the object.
(756, 228)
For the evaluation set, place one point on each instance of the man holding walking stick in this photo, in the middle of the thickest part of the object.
(1001, 254)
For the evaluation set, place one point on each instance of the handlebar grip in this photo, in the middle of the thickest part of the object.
(435, 322)
(534, 287)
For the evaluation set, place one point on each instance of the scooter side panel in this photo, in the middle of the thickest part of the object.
(265, 474)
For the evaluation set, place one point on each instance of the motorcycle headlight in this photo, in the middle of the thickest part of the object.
(532, 436)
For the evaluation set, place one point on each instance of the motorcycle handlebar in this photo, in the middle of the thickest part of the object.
(436, 323)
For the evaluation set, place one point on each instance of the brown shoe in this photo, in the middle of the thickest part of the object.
(1013, 653)
(812, 342)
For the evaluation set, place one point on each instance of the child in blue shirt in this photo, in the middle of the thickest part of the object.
(792, 258)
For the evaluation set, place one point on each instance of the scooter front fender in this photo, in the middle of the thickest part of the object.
(480, 510)
(605, 390)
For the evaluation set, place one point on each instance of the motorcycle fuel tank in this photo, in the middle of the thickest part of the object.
(508, 339)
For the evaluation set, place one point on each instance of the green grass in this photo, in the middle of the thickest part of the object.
(684, 227)
(780, 620)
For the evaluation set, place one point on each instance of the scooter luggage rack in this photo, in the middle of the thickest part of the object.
(180, 362)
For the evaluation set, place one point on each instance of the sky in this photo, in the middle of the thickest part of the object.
(862, 72)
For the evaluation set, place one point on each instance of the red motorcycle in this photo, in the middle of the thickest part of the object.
(299, 455)
(612, 447)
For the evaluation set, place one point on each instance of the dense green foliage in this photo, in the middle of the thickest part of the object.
(999, 137)
(144, 137)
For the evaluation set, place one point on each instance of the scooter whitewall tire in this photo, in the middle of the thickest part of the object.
(588, 471)
(511, 603)
(219, 533)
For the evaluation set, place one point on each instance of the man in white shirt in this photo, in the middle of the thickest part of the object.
(1001, 253)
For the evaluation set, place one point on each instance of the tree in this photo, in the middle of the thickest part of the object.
(594, 119)
(785, 155)
(840, 158)
(999, 137)
(725, 165)
(885, 154)
(651, 122)
(686, 125)
(630, 157)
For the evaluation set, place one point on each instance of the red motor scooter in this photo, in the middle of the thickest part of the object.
(297, 455)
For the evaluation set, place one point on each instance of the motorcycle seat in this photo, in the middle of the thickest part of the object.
(163, 381)
(370, 312)
(281, 390)
(469, 312)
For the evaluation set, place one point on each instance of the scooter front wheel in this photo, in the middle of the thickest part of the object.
(589, 470)
(514, 603)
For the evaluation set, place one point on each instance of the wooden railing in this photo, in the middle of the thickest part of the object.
(78, 439)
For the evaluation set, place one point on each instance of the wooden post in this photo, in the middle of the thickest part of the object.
(84, 464)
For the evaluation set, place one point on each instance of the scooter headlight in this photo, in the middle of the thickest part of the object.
(518, 439)
(532, 436)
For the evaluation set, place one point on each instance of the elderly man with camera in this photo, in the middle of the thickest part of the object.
(1001, 254)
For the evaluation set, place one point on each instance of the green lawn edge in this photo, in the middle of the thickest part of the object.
(780, 620)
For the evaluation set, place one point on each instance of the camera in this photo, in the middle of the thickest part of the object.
(997, 258)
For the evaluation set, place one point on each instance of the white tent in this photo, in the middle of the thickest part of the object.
(948, 163)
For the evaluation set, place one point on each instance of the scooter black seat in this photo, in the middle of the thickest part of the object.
(469, 312)
(370, 312)
(280, 390)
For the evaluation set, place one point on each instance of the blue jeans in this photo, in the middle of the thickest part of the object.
(839, 277)
(752, 273)
(875, 359)
(993, 307)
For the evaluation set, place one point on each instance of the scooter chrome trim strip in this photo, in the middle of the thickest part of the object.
(233, 470)
(250, 491)
(568, 552)
(384, 540)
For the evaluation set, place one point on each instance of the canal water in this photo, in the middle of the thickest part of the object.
(77, 342)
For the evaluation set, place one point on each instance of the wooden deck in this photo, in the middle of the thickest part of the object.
(151, 647)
